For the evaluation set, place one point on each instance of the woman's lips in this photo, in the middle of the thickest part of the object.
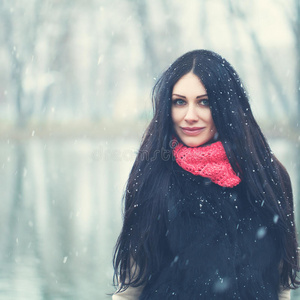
(192, 130)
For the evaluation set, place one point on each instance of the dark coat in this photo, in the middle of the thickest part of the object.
(219, 246)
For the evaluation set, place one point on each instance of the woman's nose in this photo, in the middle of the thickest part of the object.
(191, 114)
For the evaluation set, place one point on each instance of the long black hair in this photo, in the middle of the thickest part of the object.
(139, 253)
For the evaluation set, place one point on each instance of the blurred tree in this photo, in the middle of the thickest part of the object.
(17, 65)
(296, 30)
(72, 60)
(267, 71)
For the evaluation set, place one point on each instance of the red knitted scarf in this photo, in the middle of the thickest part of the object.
(209, 161)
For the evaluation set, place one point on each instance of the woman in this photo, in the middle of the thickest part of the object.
(208, 207)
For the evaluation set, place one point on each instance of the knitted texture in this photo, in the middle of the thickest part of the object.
(209, 161)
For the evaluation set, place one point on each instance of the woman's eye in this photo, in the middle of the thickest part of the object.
(178, 102)
(204, 102)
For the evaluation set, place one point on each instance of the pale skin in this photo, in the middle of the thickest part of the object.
(190, 111)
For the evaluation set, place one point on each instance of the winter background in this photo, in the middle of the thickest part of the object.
(75, 89)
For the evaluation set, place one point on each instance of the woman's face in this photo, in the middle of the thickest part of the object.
(190, 111)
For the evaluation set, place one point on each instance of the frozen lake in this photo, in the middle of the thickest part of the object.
(60, 214)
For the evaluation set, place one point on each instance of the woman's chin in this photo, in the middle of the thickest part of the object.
(194, 144)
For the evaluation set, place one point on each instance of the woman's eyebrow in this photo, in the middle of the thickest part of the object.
(205, 95)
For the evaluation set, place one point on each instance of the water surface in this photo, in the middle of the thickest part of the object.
(60, 214)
